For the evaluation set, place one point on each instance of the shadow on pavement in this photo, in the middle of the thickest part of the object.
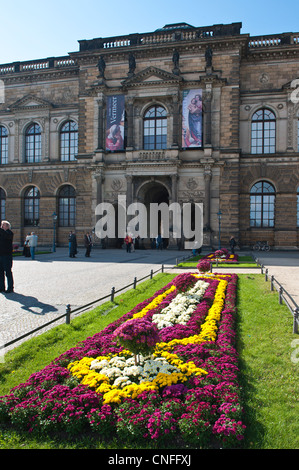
(31, 304)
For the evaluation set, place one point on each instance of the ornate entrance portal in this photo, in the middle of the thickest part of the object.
(153, 192)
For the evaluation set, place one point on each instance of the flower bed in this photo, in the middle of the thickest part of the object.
(177, 382)
(221, 256)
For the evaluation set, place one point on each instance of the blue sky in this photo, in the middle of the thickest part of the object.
(35, 29)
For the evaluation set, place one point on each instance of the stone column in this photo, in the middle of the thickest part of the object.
(130, 124)
(173, 242)
(99, 187)
(207, 205)
(175, 129)
(174, 187)
(129, 179)
(46, 153)
(101, 142)
(208, 120)
(97, 194)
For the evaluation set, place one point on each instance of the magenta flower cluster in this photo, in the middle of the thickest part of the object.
(204, 266)
(138, 335)
(222, 254)
(204, 412)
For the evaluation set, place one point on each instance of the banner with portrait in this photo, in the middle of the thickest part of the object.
(115, 122)
(192, 118)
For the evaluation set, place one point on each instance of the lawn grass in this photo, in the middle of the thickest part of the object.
(244, 262)
(268, 376)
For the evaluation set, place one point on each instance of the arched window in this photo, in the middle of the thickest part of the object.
(263, 131)
(155, 128)
(262, 204)
(3, 145)
(68, 141)
(67, 207)
(2, 204)
(31, 206)
(33, 147)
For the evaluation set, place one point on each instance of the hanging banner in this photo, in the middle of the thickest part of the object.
(115, 122)
(192, 118)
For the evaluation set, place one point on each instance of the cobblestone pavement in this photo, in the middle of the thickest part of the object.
(284, 266)
(45, 286)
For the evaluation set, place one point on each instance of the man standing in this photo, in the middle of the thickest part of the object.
(87, 244)
(32, 244)
(73, 245)
(6, 238)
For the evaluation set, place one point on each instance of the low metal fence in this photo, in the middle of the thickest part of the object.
(69, 311)
(284, 296)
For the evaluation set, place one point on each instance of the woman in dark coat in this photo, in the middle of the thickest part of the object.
(73, 245)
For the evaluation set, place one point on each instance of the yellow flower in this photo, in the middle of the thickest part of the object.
(154, 303)
(112, 394)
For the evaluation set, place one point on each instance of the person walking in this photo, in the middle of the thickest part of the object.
(26, 249)
(32, 240)
(73, 245)
(128, 242)
(232, 244)
(6, 239)
(159, 245)
(87, 244)
(70, 242)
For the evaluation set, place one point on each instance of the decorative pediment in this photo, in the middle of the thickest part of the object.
(29, 102)
(151, 76)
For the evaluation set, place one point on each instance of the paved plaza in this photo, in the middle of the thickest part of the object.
(45, 286)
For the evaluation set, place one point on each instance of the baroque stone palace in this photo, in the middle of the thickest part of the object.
(182, 114)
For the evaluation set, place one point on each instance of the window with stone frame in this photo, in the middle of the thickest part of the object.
(31, 206)
(298, 135)
(262, 205)
(155, 128)
(33, 144)
(263, 132)
(67, 206)
(3, 145)
(68, 141)
(2, 204)
(298, 206)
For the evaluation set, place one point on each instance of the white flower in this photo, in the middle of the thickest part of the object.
(181, 307)
(96, 364)
(132, 370)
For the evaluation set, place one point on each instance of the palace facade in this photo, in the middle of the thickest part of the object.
(183, 114)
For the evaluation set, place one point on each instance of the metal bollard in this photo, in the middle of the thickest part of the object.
(272, 282)
(280, 294)
(152, 274)
(296, 320)
(68, 314)
(266, 275)
(162, 269)
(135, 282)
(112, 294)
